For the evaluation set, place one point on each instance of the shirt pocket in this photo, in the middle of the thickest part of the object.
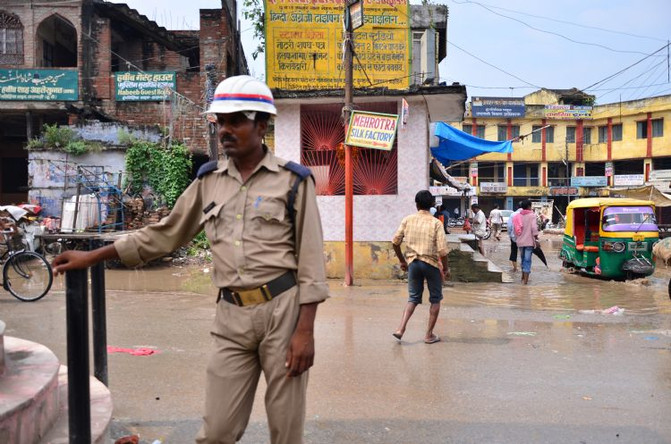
(268, 218)
(213, 223)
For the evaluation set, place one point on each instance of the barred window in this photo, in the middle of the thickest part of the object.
(11, 39)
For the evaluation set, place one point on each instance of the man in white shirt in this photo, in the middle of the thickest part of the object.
(496, 220)
(479, 224)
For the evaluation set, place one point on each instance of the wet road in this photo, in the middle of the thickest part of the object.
(517, 364)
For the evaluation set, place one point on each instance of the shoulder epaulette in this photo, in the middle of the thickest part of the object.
(206, 168)
(300, 170)
(303, 173)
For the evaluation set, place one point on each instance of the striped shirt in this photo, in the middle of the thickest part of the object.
(424, 238)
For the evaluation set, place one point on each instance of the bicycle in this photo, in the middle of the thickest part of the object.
(25, 274)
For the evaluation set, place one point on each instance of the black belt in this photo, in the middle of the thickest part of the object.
(260, 294)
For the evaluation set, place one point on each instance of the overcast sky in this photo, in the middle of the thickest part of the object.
(511, 48)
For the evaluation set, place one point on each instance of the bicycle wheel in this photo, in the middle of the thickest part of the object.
(27, 276)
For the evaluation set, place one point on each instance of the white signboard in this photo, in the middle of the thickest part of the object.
(493, 187)
(628, 180)
(660, 175)
(444, 191)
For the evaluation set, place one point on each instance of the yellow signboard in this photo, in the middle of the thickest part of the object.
(372, 130)
(304, 44)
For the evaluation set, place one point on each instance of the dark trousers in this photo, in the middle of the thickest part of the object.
(513, 251)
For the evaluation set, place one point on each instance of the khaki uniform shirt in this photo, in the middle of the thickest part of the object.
(424, 237)
(248, 226)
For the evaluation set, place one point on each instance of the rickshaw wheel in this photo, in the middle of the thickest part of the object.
(669, 288)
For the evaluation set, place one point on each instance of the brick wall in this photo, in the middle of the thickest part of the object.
(97, 79)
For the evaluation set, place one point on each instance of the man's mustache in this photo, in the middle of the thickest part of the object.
(225, 139)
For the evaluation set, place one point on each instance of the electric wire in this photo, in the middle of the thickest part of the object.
(566, 22)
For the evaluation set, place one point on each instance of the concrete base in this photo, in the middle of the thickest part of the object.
(28, 392)
(101, 412)
(2, 348)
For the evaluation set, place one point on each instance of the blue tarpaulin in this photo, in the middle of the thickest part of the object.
(457, 145)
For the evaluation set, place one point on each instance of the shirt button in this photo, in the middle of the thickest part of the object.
(238, 216)
(241, 270)
(237, 243)
(243, 188)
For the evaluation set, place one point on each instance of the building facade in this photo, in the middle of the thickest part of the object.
(70, 62)
(565, 148)
(309, 127)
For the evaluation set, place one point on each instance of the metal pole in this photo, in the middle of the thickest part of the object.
(349, 175)
(79, 395)
(568, 176)
(99, 320)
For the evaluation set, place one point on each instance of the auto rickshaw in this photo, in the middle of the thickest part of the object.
(610, 237)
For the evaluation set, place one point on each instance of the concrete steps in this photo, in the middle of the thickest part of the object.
(468, 265)
(34, 398)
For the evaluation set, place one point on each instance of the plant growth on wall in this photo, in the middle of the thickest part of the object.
(165, 169)
(62, 138)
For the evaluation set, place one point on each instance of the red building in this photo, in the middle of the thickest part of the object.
(71, 62)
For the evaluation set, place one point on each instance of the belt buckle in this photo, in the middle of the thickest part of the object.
(254, 296)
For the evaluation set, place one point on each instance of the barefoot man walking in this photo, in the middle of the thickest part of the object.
(426, 255)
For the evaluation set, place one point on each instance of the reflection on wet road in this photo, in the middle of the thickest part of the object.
(552, 288)
(550, 362)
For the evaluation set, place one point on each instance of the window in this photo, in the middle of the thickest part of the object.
(479, 131)
(525, 175)
(557, 174)
(587, 135)
(570, 134)
(503, 132)
(658, 128)
(595, 169)
(11, 39)
(536, 136)
(491, 171)
(603, 134)
(322, 136)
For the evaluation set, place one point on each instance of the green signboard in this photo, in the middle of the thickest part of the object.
(42, 85)
(134, 86)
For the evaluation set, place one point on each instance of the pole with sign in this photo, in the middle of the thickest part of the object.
(349, 174)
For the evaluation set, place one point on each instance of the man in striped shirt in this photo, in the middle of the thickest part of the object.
(426, 260)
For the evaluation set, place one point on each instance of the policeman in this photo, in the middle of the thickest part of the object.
(265, 233)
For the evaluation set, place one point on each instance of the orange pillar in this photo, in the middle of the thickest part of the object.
(349, 219)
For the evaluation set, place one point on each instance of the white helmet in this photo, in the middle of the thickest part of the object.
(242, 93)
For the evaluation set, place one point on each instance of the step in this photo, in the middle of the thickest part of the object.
(101, 412)
(28, 391)
(481, 269)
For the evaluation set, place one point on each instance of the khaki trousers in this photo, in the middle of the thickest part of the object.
(249, 340)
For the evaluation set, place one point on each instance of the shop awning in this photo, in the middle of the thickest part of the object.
(455, 145)
(648, 192)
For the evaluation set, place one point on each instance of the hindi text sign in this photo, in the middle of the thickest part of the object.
(41, 85)
(304, 45)
(135, 86)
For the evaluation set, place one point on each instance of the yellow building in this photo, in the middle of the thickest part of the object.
(614, 145)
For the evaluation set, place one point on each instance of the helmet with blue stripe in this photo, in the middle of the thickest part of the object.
(242, 93)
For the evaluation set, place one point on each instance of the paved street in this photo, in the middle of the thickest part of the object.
(516, 364)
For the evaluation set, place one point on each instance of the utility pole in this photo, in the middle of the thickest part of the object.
(568, 177)
(349, 174)
(210, 85)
